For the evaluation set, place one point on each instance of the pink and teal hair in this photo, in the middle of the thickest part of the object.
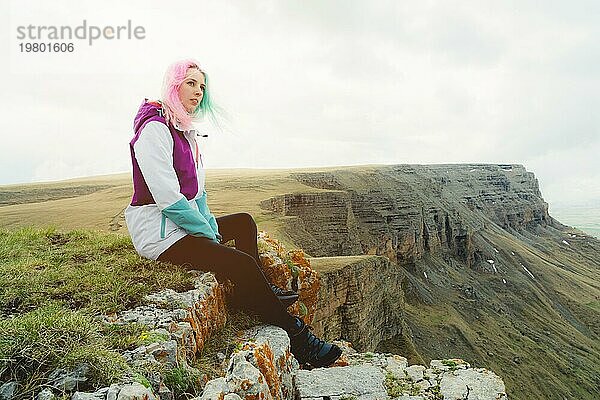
(174, 110)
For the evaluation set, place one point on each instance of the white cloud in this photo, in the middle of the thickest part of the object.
(321, 83)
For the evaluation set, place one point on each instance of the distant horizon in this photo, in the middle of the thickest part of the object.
(583, 215)
(555, 203)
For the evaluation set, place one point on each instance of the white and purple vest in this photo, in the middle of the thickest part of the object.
(169, 200)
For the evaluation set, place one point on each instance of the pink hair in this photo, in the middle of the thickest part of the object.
(174, 110)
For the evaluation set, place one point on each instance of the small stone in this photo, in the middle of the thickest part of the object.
(345, 346)
(164, 393)
(430, 374)
(477, 383)
(423, 385)
(359, 381)
(69, 380)
(135, 391)
(8, 390)
(415, 372)
(246, 380)
(87, 396)
(450, 364)
(376, 359)
(166, 353)
(113, 392)
(215, 389)
(45, 394)
(396, 365)
(152, 347)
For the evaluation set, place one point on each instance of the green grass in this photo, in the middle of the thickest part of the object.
(24, 194)
(54, 288)
(397, 387)
(184, 381)
(451, 364)
(35, 343)
(83, 270)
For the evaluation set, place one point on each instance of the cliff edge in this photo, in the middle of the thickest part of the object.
(466, 261)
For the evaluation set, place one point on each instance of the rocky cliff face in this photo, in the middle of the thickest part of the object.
(361, 299)
(403, 211)
(477, 268)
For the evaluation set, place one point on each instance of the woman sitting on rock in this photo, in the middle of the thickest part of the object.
(169, 219)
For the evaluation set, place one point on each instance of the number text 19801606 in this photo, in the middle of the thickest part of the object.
(46, 47)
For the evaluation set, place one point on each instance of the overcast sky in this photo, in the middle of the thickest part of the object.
(316, 83)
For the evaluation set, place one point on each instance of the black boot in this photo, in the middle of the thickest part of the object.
(309, 349)
(287, 297)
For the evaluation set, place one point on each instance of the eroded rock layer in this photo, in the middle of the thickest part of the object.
(403, 211)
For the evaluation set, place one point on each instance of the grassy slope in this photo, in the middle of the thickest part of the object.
(526, 325)
(90, 203)
(54, 286)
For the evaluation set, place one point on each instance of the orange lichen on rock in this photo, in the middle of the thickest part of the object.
(276, 271)
(342, 361)
(266, 365)
(299, 258)
(186, 339)
(208, 315)
(290, 269)
(264, 360)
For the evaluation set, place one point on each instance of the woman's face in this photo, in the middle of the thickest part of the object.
(192, 89)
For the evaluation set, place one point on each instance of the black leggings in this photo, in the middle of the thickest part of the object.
(241, 265)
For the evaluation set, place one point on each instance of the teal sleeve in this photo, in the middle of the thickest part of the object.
(205, 211)
(188, 218)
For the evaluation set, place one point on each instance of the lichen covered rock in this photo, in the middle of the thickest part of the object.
(290, 270)
(190, 318)
(262, 369)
